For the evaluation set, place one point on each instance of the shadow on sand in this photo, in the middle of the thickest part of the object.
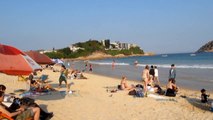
(198, 104)
(44, 107)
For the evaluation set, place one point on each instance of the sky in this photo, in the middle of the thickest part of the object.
(159, 26)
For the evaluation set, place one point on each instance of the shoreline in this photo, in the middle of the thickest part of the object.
(100, 56)
(140, 82)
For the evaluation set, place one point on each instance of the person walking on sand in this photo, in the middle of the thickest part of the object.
(63, 77)
(172, 72)
(145, 78)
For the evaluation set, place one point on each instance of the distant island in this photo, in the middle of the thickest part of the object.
(208, 47)
(94, 49)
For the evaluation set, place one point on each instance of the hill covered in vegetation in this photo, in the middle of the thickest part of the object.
(90, 47)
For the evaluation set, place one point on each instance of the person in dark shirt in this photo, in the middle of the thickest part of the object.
(152, 72)
(172, 72)
(204, 96)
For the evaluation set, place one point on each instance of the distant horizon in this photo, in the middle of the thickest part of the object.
(111, 41)
(163, 26)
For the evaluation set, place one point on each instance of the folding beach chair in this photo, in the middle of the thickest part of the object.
(44, 78)
(4, 116)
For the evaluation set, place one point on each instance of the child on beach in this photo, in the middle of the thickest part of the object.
(204, 96)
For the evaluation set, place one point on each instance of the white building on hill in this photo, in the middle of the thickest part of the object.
(74, 48)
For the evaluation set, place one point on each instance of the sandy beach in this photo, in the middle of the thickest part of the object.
(92, 100)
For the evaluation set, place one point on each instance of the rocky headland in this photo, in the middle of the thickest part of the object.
(208, 47)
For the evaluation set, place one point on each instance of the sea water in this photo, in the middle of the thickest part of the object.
(194, 70)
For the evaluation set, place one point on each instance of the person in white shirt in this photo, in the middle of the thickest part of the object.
(156, 78)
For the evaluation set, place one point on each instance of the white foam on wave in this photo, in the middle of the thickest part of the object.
(182, 66)
(106, 63)
(196, 66)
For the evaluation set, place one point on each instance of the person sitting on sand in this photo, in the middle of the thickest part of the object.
(33, 84)
(37, 85)
(124, 85)
(172, 89)
(43, 114)
(73, 74)
(79, 75)
(204, 96)
(35, 111)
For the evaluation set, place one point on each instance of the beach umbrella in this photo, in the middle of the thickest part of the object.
(15, 62)
(40, 58)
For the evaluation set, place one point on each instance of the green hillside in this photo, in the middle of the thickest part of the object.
(88, 47)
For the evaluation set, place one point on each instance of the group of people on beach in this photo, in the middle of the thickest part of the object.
(37, 84)
(151, 83)
(150, 79)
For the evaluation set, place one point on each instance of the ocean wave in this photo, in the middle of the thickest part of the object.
(181, 66)
(195, 66)
(106, 63)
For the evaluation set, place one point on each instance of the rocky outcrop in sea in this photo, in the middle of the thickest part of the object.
(208, 47)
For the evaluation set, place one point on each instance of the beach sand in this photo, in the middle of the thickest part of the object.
(92, 100)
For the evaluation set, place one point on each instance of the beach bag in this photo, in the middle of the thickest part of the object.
(139, 86)
(15, 105)
(119, 87)
(160, 91)
(27, 101)
(26, 115)
(139, 92)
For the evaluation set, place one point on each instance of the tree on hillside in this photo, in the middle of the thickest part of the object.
(136, 50)
(91, 45)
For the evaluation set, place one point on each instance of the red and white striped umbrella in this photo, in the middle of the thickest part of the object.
(15, 62)
(40, 58)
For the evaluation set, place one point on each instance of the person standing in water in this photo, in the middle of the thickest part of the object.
(113, 64)
(90, 67)
(136, 63)
(172, 72)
